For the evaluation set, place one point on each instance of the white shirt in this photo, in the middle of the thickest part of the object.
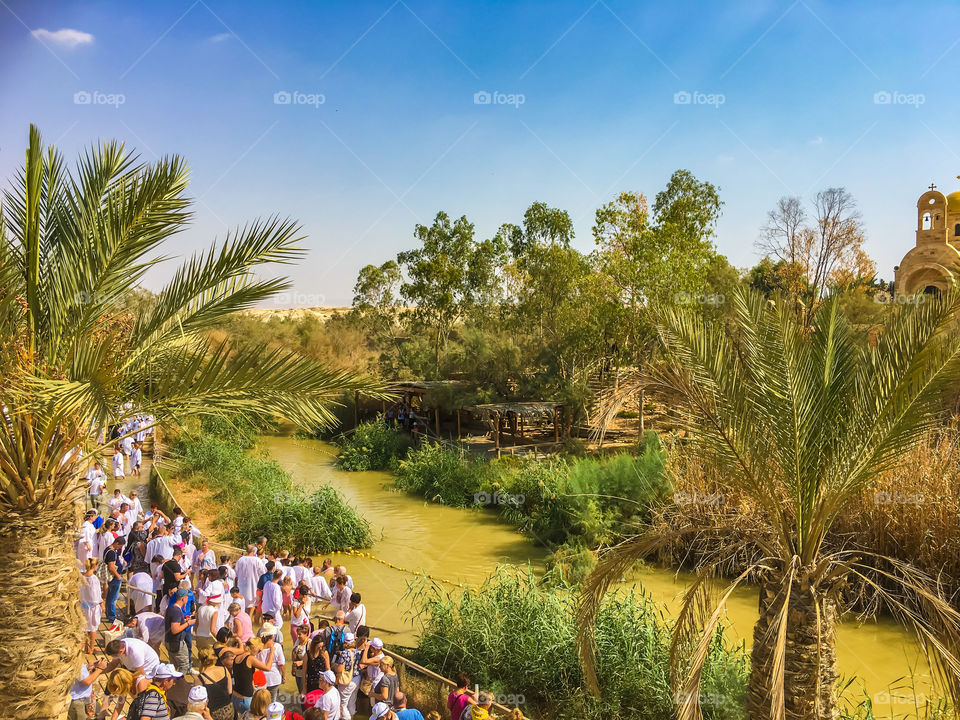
(139, 653)
(79, 691)
(330, 703)
(127, 443)
(136, 456)
(205, 560)
(319, 585)
(116, 501)
(272, 599)
(87, 544)
(357, 617)
(273, 674)
(118, 465)
(96, 480)
(141, 581)
(150, 627)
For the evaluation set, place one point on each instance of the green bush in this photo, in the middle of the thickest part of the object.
(441, 475)
(257, 497)
(371, 446)
(518, 638)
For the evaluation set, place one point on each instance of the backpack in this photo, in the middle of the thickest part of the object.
(335, 641)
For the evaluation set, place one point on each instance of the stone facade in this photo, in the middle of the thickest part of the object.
(934, 263)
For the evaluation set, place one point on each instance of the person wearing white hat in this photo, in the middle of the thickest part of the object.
(196, 705)
(208, 620)
(346, 665)
(275, 711)
(152, 702)
(330, 702)
(382, 711)
(276, 675)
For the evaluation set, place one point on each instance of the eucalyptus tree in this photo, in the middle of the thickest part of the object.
(74, 245)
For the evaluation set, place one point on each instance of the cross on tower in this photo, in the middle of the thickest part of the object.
(934, 187)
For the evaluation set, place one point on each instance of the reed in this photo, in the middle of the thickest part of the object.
(371, 446)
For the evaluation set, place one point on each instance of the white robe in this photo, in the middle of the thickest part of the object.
(249, 569)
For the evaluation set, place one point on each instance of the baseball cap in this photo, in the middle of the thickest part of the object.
(330, 676)
(182, 593)
(348, 637)
(197, 694)
(312, 698)
(377, 643)
(379, 710)
(91, 513)
(165, 671)
(275, 711)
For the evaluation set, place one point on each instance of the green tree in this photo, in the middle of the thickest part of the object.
(448, 275)
(74, 245)
(799, 417)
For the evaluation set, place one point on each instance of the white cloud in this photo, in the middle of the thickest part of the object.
(221, 37)
(67, 37)
(818, 140)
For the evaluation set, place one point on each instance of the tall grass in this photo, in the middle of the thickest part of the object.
(255, 496)
(518, 638)
(443, 476)
(371, 446)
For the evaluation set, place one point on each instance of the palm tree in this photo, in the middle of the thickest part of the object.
(74, 245)
(798, 417)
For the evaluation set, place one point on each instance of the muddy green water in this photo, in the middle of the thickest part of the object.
(464, 546)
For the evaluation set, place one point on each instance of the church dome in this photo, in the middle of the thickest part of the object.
(953, 202)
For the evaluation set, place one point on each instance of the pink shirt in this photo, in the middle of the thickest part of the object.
(246, 627)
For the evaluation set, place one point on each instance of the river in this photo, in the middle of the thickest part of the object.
(464, 546)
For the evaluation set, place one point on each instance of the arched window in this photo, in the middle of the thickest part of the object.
(927, 222)
(932, 290)
(956, 229)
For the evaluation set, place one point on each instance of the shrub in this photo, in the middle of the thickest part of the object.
(441, 475)
(257, 497)
(518, 638)
(371, 446)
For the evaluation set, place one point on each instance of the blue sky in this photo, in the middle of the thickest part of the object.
(399, 135)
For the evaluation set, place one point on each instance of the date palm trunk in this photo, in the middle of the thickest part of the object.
(810, 663)
(40, 619)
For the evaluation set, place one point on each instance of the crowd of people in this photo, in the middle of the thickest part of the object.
(198, 635)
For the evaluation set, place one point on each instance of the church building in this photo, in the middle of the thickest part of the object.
(933, 264)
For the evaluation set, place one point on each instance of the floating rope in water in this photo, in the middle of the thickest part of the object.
(415, 573)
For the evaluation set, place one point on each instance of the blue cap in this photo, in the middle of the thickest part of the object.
(181, 593)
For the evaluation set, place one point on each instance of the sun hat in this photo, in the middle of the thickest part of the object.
(275, 711)
(197, 694)
(330, 676)
(312, 698)
(348, 637)
(166, 671)
(268, 630)
(379, 710)
(377, 643)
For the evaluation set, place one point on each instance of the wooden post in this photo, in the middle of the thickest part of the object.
(640, 413)
(383, 407)
(521, 427)
(496, 436)
(436, 417)
(356, 408)
(556, 424)
(458, 423)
